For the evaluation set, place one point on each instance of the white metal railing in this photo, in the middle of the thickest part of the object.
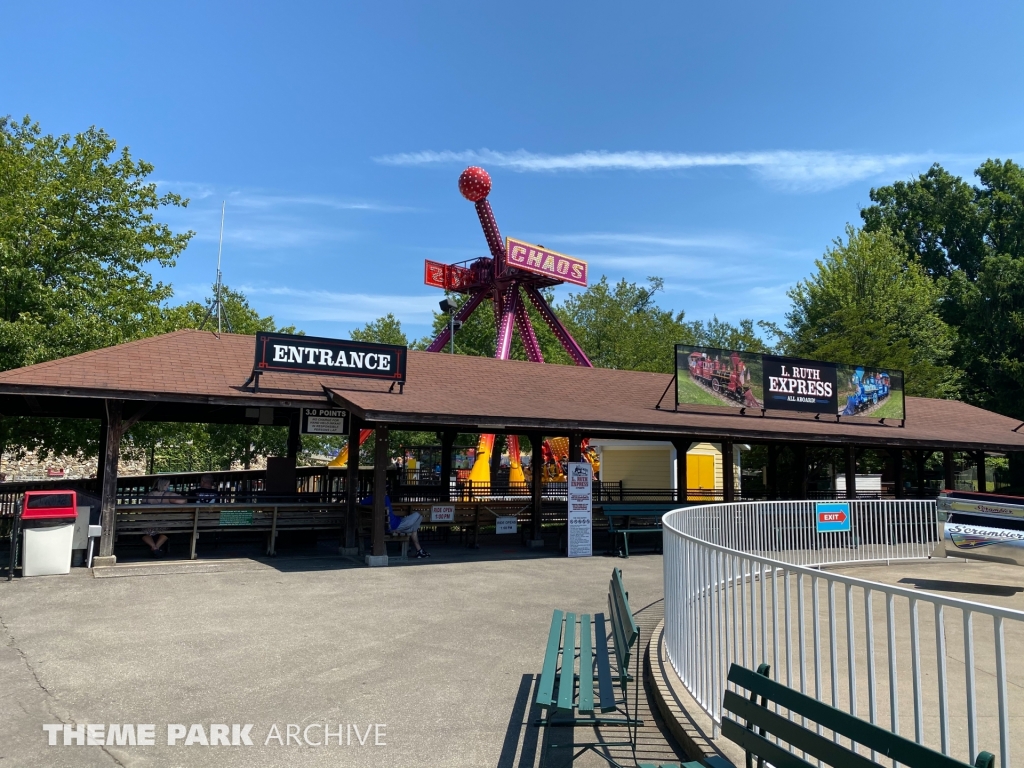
(743, 584)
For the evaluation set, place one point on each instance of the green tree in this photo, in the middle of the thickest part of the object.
(869, 303)
(383, 330)
(78, 231)
(623, 327)
(970, 238)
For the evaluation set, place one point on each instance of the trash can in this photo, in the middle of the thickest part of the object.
(48, 521)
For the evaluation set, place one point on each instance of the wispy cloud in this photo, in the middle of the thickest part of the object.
(259, 201)
(797, 170)
(300, 305)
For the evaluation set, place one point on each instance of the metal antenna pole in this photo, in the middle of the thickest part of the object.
(220, 247)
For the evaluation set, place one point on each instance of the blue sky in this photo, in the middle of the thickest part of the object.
(719, 146)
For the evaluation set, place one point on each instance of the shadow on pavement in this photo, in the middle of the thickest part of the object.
(937, 585)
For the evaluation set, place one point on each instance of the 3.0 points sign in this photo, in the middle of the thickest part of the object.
(324, 421)
(832, 516)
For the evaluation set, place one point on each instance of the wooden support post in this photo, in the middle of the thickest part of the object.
(575, 454)
(380, 511)
(772, 472)
(108, 491)
(919, 459)
(536, 489)
(851, 472)
(728, 486)
(294, 438)
(351, 543)
(447, 446)
(102, 452)
(801, 471)
(947, 469)
(897, 472)
(682, 481)
(982, 479)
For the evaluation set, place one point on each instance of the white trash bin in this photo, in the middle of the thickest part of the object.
(47, 550)
(48, 520)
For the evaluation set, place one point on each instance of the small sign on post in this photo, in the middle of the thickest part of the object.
(506, 524)
(442, 513)
(581, 509)
(324, 421)
(832, 516)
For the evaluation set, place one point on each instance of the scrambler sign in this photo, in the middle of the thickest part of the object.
(287, 353)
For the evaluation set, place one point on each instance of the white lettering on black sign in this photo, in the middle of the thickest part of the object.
(338, 357)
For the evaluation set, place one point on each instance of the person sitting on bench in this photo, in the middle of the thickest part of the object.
(205, 493)
(160, 494)
(399, 525)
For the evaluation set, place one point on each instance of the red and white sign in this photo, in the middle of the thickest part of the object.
(447, 276)
(831, 517)
(442, 513)
(541, 261)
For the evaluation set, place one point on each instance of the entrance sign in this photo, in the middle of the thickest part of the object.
(581, 509)
(290, 353)
(506, 524)
(442, 513)
(324, 421)
(832, 516)
(541, 261)
(730, 378)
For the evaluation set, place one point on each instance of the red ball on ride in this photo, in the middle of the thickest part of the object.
(474, 184)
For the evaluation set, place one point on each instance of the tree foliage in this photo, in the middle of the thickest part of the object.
(970, 239)
(871, 304)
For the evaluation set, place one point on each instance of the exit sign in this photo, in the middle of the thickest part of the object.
(832, 517)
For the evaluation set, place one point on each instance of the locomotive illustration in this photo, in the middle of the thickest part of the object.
(730, 379)
(868, 391)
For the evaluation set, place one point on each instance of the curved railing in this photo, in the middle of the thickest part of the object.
(744, 583)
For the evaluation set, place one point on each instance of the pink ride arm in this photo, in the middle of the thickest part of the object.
(526, 333)
(438, 344)
(493, 236)
(568, 342)
(505, 314)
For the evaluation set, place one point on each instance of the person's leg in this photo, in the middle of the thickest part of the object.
(161, 541)
(147, 539)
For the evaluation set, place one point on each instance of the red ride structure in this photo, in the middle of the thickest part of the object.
(508, 288)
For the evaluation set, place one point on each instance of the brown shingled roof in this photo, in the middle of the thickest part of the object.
(473, 392)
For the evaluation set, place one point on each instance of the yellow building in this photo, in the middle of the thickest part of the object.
(652, 465)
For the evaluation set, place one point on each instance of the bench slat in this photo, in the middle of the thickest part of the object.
(606, 690)
(546, 686)
(760, 746)
(566, 678)
(586, 702)
(795, 734)
(623, 625)
(860, 731)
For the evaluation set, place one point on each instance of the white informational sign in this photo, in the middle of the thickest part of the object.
(442, 513)
(506, 524)
(324, 421)
(581, 509)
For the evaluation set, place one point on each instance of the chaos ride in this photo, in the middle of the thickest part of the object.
(511, 278)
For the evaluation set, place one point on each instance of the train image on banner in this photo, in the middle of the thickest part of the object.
(729, 378)
(980, 526)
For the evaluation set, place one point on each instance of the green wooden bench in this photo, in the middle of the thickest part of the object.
(596, 694)
(759, 716)
(652, 512)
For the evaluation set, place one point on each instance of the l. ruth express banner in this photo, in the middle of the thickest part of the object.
(711, 376)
